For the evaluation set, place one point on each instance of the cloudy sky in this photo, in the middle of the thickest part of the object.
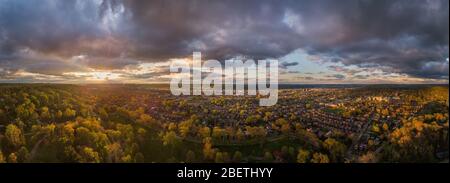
(316, 41)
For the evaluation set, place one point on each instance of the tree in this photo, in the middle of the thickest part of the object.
(90, 156)
(23, 155)
(226, 157)
(2, 159)
(172, 127)
(252, 119)
(71, 155)
(146, 119)
(12, 158)
(126, 159)
(267, 116)
(320, 158)
(336, 149)
(139, 158)
(240, 135)
(59, 114)
(126, 131)
(268, 157)
(219, 158)
(375, 128)
(141, 134)
(291, 151)
(14, 136)
(208, 151)
(84, 136)
(218, 133)
(103, 114)
(384, 112)
(298, 127)
(42, 131)
(237, 157)
(285, 150)
(204, 132)
(257, 132)
(185, 128)
(68, 113)
(369, 157)
(25, 110)
(415, 141)
(285, 128)
(170, 139)
(68, 134)
(303, 156)
(114, 152)
(190, 156)
(385, 127)
(45, 114)
(281, 121)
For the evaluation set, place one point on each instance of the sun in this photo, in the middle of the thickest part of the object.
(95, 76)
(101, 75)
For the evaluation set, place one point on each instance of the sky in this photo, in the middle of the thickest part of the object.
(315, 41)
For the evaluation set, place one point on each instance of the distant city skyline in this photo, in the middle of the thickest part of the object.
(316, 42)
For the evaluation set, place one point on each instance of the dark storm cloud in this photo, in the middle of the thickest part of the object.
(404, 36)
(106, 63)
(46, 26)
(220, 29)
(397, 36)
(402, 55)
(39, 36)
(30, 61)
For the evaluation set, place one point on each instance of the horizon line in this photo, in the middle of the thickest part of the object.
(165, 83)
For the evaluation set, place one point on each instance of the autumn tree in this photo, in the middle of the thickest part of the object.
(320, 158)
(45, 113)
(114, 152)
(369, 157)
(226, 157)
(237, 157)
(285, 127)
(218, 133)
(170, 139)
(69, 113)
(23, 154)
(208, 151)
(59, 114)
(303, 156)
(219, 158)
(204, 132)
(415, 141)
(12, 158)
(139, 158)
(2, 158)
(147, 120)
(268, 157)
(336, 149)
(14, 136)
(185, 128)
(190, 156)
(67, 134)
(90, 156)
